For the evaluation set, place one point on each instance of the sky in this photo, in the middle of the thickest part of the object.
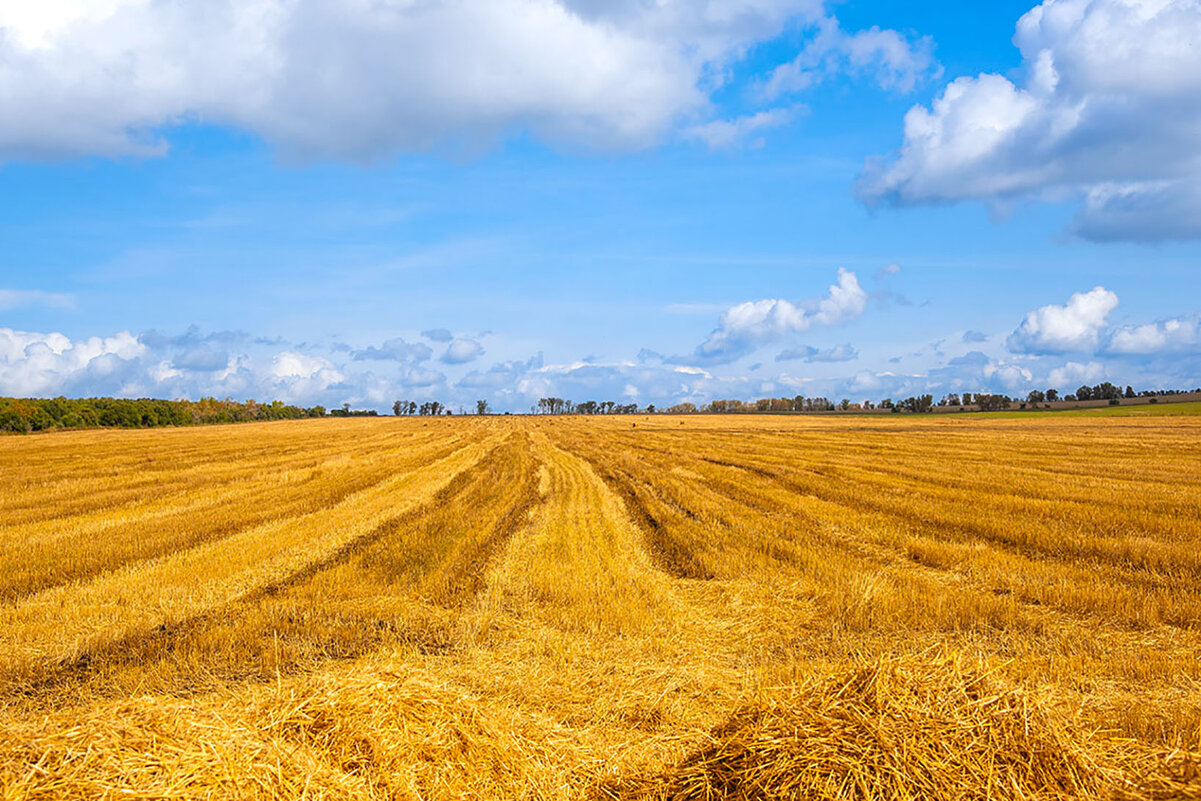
(644, 201)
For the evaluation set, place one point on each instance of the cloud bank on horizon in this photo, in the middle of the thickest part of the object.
(233, 364)
(1100, 116)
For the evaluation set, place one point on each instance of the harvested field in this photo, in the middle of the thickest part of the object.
(614, 607)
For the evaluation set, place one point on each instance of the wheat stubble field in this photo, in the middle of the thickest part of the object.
(627, 607)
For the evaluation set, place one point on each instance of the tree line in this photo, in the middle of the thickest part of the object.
(917, 404)
(39, 414)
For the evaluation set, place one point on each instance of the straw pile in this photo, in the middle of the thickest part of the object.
(895, 730)
(903, 729)
(376, 733)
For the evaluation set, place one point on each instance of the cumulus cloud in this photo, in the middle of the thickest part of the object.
(396, 350)
(201, 357)
(1108, 111)
(1009, 376)
(1177, 335)
(438, 335)
(461, 351)
(33, 364)
(748, 325)
(1073, 327)
(974, 336)
(1072, 374)
(190, 365)
(20, 298)
(361, 81)
(975, 358)
(1141, 211)
(886, 56)
(838, 353)
(296, 376)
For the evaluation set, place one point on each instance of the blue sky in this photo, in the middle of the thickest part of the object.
(358, 202)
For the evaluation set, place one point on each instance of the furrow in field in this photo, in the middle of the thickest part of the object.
(581, 564)
(111, 478)
(998, 554)
(39, 555)
(1135, 590)
(862, 570)
(96, 471)
(399, 584)
(61, 623)
(1069, 533)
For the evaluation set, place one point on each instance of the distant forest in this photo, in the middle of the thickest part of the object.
(39, 414)
(24, 415)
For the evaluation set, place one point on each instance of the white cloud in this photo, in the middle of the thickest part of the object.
(1142, 210)
(201, 357)
(1108, 111)
(1169, 336)
(34, 364)
(1072, 374)
(1074, 327)
(887, 271)
(289, 365)
(20, 298)
(461, 351)
(296, 376)
(747, 325)
(1009, 376)
(808, 353)
(438, 335)
(364, 80)
(396, 350)
(721, 134)
(890, 59)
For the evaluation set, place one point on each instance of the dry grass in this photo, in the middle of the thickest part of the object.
(690, 608)
(890, 730)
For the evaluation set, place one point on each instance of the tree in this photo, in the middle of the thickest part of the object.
(1084, 393)
(921, 403)
(992, 403)
(399, 407)
(1052, 395)
(481, 407)
(1036, 396)
(1129, 391)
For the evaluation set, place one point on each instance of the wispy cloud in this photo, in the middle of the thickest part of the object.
(22, 298)
(739, 131)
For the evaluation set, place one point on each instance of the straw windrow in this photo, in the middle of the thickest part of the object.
(693, 608)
